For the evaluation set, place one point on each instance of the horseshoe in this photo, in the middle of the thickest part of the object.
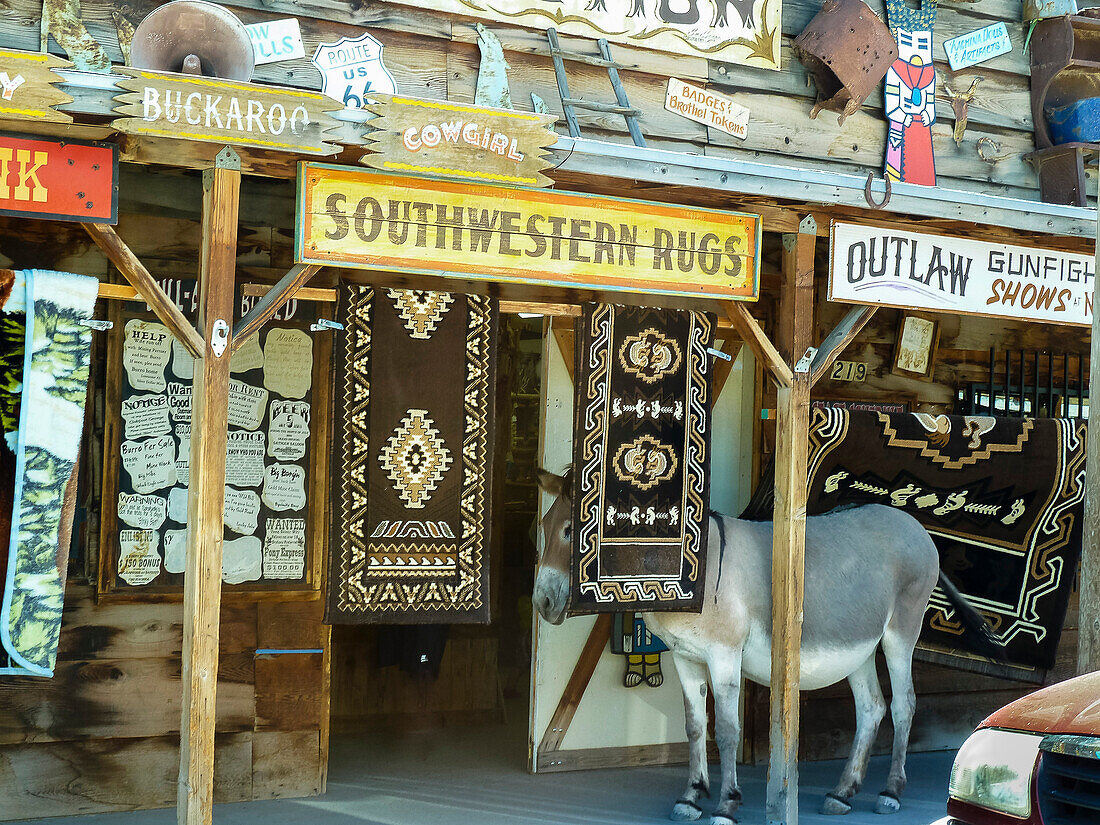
(870, 198)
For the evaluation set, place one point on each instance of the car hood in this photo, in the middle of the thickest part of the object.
(1071, 707)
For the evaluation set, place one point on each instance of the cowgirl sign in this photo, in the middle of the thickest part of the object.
(911, 95)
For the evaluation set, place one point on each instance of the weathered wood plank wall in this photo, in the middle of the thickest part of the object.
(433, 55)
(103, 734)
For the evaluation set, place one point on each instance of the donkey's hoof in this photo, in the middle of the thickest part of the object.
(835, 806)
(887, 804)
(722, 819)
(684, 811)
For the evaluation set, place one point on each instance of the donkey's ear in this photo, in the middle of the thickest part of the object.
(549, 482)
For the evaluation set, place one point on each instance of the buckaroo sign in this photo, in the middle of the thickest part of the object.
(910, 270)
(368, 220)
(223, 111)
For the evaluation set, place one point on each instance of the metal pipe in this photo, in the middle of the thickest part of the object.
(1065, 385)
(1050, 384)
(1023, 389)
(1080, 386)
(1008, 380)
(1035, 380)
(992, 371)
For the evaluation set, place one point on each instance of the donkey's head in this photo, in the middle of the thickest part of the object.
(551, 594)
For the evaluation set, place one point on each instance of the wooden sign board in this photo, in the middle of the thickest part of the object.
(223, 111)
(452, 140)
(28, 89)
(707, 107)
(61, 180)
(977, 46)
(909, 270)
(734, 31)
(356, 218)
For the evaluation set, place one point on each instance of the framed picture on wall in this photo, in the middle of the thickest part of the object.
(915, 348)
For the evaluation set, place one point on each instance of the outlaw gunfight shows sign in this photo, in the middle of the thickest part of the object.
(911, 270)
(357, 218)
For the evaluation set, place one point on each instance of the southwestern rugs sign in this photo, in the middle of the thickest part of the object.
(736, 31)
(911, 270)
(416, 384)
(641, 452)
(357, 218)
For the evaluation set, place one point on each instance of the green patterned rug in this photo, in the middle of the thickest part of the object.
(43, 421)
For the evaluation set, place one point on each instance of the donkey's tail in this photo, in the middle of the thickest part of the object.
(985, 641)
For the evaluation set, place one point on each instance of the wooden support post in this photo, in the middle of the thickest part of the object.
(1088, 640)
(202, 589)
(789, 525)
(766, 353)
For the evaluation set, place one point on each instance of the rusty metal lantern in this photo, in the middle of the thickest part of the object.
(847, 49)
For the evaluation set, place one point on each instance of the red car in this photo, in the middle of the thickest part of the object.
(1035, 761)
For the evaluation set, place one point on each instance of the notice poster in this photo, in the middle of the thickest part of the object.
(142, 512)
(242, 560)
(244, 459)
(183, 362)
(179, 401)
(242, 509)
(247, 358)
(267, 471)
(183, 453)
(138, 561)
(247, 405)
(151, 464)
(145, 354)
(288, 362)
(289, 430)
(144, 416)
(285, 548)
(285, 487)
(175, 550)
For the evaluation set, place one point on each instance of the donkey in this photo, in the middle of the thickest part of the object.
(869, 573)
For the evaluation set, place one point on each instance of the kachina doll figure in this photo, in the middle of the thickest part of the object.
(910, 95)
(632, 639)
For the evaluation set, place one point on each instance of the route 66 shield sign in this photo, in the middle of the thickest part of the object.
(351, 69)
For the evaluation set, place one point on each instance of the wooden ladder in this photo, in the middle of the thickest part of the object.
(569, 104)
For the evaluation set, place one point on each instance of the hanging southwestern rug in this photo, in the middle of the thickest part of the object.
(413, 453)
(1001, 497)
(44, 356)
(641, 452)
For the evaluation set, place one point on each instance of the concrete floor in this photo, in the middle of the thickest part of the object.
(476, 776)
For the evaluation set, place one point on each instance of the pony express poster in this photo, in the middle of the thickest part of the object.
(267, 471)
(736, 31)
(911, 270)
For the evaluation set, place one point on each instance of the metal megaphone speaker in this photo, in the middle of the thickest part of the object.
(193, 37)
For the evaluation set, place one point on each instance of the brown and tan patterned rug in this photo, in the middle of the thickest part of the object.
(1001, 497)
(641, 456)
(413, 451)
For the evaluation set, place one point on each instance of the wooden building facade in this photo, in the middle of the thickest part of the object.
(104, 734)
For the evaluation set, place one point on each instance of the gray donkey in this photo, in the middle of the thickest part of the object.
(869, 573)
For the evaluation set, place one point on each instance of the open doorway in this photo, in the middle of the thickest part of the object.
(409, 690)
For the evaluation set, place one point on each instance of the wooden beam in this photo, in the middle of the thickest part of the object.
(272, 301)
(838, 340)
(306, 293)
(789, 534)
(1088, 641)
(132, 270)
(202, 588)
(578, 681)
(764, 350)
